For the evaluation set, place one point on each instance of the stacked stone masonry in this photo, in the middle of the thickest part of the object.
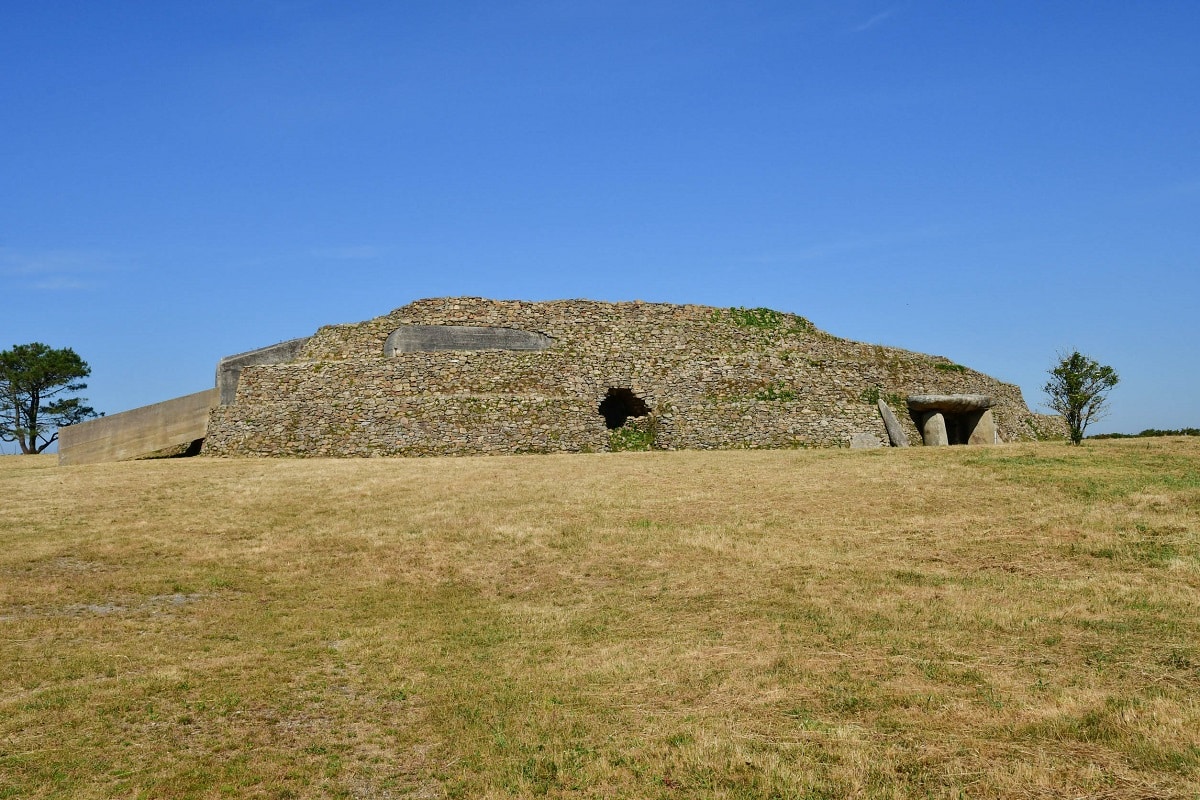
(712, 378)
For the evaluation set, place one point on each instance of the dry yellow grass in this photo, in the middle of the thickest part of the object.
(1017, 621)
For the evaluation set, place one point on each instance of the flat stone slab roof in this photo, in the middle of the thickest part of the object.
(954, 403)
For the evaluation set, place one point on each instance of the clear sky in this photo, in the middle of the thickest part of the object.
(988, 181)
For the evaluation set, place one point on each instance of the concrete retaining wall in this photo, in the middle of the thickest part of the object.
(138, 432)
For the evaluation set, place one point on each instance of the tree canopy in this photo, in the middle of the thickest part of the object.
(36, 387)
(1078, 389)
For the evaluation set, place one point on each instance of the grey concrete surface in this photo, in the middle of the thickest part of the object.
(430, 338)
(137, 432)
(229, 368)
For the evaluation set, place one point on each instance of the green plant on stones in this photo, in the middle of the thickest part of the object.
(755, 317)
(637, 434)
(764, 318)
(874, 394)
(948, 367)
(775, 391)
(802, 325)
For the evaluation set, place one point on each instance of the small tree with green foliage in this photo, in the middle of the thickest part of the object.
(1078, 389)
(35, 383)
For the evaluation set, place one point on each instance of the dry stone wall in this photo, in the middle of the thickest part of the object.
(712, 378)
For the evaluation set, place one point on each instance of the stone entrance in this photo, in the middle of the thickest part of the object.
(946, 419)
(619, 404)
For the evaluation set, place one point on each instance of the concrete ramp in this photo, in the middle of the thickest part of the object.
(138, 432)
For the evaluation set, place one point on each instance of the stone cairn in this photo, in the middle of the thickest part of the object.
(456, 376)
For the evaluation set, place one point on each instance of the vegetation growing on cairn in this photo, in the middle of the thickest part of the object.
(874, 394)
(766, 318)
(946, 366)
(639, 433)
(776, 392)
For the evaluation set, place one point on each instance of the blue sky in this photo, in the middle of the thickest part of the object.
(991, 182)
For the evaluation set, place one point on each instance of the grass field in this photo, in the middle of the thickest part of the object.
(1017, 621)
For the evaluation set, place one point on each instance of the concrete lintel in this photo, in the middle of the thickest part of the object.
(229, 368)
(435, 338)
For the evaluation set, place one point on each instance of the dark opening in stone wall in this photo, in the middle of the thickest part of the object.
(958, 428)
(619, 404)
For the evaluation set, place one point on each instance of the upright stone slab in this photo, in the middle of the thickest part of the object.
(933, 429)
(895, 432)
(984, 431)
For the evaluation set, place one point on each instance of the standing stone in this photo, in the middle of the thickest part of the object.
(933, 429)
(984, 431)
(895, 432)
(864, 441)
